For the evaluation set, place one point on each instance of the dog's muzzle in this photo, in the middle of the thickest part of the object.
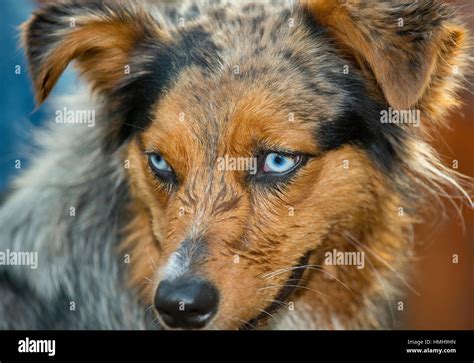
(186, 302)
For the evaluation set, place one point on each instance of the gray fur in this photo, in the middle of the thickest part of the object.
(78, 259)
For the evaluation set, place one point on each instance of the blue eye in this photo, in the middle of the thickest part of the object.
(158, 163)
(278, 163)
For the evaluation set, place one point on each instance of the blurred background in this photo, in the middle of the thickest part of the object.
(19, 116)
(446, 289)
(445, 298)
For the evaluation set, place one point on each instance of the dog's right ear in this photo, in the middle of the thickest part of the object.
(415, 50)
(99, 36)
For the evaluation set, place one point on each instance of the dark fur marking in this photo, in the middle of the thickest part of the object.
(225, 200)
(192, 47)
(361, 126)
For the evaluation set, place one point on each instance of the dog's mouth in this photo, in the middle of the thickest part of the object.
(259, 321)
(285, 292)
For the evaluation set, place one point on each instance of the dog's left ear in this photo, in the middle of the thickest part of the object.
(100, 36)
(415, 50)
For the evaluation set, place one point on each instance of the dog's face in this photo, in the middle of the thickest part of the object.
(237, 187)
(242, 169)
(256, 142)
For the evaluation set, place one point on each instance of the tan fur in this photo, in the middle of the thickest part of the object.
(100, 48)
(367, 29)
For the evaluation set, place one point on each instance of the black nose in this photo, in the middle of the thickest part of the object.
(186, 303)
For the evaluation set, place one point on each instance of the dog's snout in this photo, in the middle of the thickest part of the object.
(186, 303)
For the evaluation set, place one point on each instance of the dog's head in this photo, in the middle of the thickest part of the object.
(255, 135)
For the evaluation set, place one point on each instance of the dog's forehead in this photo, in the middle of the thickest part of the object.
(268, 61)
(229, 113)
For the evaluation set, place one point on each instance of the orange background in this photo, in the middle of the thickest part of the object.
(446, 289)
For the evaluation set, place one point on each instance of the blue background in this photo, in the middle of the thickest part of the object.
(19, 117)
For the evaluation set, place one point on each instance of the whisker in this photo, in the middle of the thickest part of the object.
(312, 267)
(276, 302)
(243, 322)
(150, 258)
(265, 312)
(295, 286)
(389, 302)
(360, 245)
(132, 125)
(277, 272)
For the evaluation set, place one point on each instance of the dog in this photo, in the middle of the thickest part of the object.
(253, 165)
